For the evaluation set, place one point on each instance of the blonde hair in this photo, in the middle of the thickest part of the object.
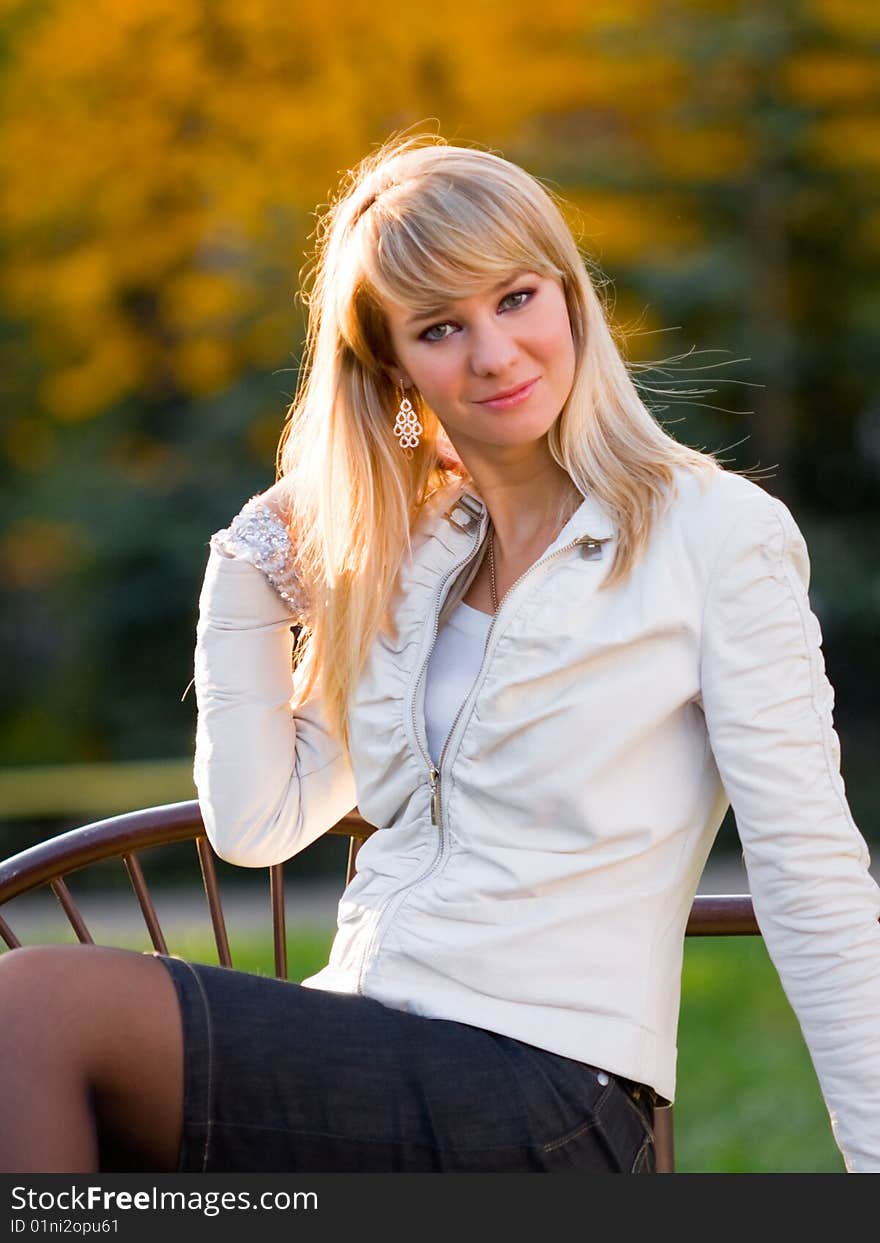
(421, 222)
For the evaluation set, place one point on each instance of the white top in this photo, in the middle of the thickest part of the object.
(455, 661)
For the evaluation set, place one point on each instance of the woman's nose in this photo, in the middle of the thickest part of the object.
(493, 349)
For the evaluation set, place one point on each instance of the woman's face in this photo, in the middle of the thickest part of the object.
(506, 336)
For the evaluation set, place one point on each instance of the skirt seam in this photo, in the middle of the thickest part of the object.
(210, 1070)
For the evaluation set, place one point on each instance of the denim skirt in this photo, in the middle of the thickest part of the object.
(281, 1078)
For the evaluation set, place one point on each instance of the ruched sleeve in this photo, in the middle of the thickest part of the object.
(270, 781)
(768, 708)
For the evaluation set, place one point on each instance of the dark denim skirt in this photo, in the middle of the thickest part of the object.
(281, 1078)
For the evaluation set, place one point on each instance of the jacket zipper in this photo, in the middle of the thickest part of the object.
(434, 773)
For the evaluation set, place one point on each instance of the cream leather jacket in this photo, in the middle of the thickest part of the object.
(538, 881)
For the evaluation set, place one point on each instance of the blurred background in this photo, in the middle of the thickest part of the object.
(160, 169)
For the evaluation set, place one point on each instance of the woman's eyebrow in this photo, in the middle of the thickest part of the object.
(445, 306)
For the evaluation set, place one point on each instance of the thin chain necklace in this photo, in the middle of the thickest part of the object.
(492, 562)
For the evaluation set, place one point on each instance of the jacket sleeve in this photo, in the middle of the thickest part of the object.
(768, 707)
(270, 781)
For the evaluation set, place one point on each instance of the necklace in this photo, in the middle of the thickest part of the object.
(492, 563)
(492, 568)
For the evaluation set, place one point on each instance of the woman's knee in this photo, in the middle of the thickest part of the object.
(110, 1018)
(53, 974)
(94, 1002)
(40, 984)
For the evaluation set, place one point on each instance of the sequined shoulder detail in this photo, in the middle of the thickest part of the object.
(257, 535)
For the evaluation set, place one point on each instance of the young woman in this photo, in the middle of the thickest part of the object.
(542, 646)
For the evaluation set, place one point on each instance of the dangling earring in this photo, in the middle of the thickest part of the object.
(407, 429)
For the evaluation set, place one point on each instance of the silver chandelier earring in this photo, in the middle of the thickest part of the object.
(407, 428)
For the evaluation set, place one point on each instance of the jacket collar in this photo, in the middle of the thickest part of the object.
(460, 522)
(467, 511)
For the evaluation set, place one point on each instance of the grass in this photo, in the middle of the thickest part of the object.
(747, 1096)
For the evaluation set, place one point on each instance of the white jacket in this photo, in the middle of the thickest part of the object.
(538, 885)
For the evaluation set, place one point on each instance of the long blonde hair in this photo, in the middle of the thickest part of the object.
(421, 222)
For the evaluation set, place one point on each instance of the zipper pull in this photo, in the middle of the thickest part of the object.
(592, 548)
(435, 796)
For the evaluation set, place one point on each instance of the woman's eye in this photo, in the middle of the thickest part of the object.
(433, 328)
(520, 293)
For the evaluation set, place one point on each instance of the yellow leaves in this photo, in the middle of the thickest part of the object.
(709, 153)
(204, 364)
(840, 77)
(859, 18)
(77, 39)
(167, 237)
(270, 338)
(846, 142)
(200, 299)
(111, 368)
(82, 281)
(169, 154)
(616, 228)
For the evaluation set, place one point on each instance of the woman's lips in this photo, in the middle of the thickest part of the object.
(514, 399)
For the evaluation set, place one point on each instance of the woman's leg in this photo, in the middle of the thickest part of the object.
(91, 1061)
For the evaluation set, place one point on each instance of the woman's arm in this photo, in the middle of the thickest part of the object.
(768, 707)
(269, 781)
